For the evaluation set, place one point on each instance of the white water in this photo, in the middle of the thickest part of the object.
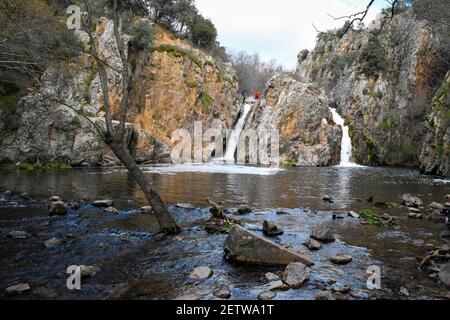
(346, 143)
(213, 168)
(233, 139)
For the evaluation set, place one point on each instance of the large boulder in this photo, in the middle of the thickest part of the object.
(244, 246)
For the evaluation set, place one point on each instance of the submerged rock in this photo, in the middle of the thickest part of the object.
(296, 274)
(57, 208)
(270, 229)
(323, 235)
(244, 210)
(244, 246)
(341, 259)
(18, 288)
(201, 273)
(15, 234)
(111, 210)
(312, 244)
(223, 292)
(53, 242)
(411, 201)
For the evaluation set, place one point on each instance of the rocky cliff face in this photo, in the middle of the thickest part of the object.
(382, 83)
(175, 85)
(308, 136)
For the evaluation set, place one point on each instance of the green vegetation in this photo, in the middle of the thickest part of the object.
(192, 84)
(439, 149)
(8, 101)
(206, 99)
(373, 58)
(43, 166)
(175, 51)
(371, 150)
(374, 219)
(387, 123)
(316, 68)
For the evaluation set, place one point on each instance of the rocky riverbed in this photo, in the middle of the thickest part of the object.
(125, 257)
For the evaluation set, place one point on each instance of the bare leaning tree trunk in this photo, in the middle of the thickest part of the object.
(113, 136)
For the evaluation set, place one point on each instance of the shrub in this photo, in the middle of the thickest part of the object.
(372, 59)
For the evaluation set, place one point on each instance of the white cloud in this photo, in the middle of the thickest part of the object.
(275, 29)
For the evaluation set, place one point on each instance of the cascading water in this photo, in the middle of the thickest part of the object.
(233, 139)
(346, 143)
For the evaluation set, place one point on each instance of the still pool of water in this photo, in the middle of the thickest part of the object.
(261, 188)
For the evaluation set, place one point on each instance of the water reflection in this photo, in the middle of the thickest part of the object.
(291, 188)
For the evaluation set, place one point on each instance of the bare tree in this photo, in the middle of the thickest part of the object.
(113, 134)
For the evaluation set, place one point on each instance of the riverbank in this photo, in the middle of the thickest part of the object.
(133, 261)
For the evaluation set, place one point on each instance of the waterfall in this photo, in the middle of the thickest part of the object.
(346, 142)
(233, 139)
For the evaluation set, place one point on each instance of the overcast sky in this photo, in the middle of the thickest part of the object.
(277, 28)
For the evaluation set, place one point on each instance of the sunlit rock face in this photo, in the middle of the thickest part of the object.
(383, 83)
(175, 85)
(308, 135)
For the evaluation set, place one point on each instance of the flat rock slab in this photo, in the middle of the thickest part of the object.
(201, 273)
(296, 274)
(244, 246)
(341, 259)
(18, 288)
(444, 274)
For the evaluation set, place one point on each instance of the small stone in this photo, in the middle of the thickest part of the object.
(414, 210)
(18, 288)
(103, 203)
(411, 201)
(24, 196)
(57, 208)
(18, 234)
(341, 288)
(222, 292)
(312, 244)
(74, 205)
(447, 204)
(444, 274)
(146, 210)
(404, 291)
(55, 198)
(201, 273)
(186, 206)
(341, 259)
(188, 297)
(296, 274)
(267, 295)
(353, 214)
(244, 210)
(88, 271)
(111, 210)
(323, 235)
(324, 295)
(412, 215)
(281, 212)
(271, 230)
(7, 193)
(328, 199)
(272, 276)
(53, 242)
(436, 206)
(278, 286)
(447, 197)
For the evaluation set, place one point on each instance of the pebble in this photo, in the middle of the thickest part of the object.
(341, 288)
(201, 273)
(324, 295)
(341, 259)
(353, 214)
(278, 286)
(312, 244)
(186, 206)
(267, 295)
(404, 291)
(53, 242)
(222, 292)
(111, 210)
(146, 210)
(15, 234)
(272, 276)
(244, 210)
(103, 203)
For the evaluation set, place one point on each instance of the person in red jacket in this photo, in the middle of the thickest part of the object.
(257, 95)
